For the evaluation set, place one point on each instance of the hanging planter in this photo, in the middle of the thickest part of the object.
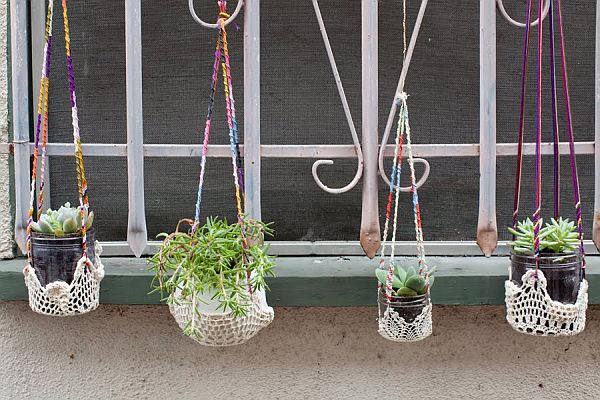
(215, 282)
(546, 293)
(64, 270)
(404, 303)
(548, 297)
(406, 314)
(213, 276)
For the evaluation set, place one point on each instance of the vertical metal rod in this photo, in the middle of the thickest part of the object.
(252, 107)
(37, 14)
(20, 110)
(400, 89)
(370, 237)
(596, 229)
(487, 229)
(137, 236)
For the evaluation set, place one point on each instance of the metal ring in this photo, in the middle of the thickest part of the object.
(507, 17)
(215, 25)
(419, 183)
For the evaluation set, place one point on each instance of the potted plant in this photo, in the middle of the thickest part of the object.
(559, 259)
(56, 243)
(216, 273)
(410, 291)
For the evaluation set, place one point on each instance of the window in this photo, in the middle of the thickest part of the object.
(300, 117)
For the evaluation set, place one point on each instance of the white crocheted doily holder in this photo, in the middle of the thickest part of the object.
(218, 328)
(60, 299)
(530, 310)
(393, 327)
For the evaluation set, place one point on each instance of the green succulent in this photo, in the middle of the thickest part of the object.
(559, 236)
(66, 220)
(406, 282)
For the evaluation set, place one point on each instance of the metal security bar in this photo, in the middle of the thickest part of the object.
(135, 150)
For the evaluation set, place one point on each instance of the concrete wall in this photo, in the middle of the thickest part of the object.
(318, 353)
(6, 236)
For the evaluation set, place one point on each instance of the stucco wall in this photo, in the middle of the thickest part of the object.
(6, 238)
(317, 353)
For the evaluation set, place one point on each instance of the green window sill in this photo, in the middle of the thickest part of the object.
(314, 281)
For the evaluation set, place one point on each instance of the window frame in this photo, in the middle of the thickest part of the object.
(136, 151)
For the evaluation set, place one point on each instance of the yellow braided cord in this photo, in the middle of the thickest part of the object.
(81, 181)
(66, 25)
(42, 110)
(44, 140)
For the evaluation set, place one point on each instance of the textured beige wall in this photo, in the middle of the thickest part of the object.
(317, 353)
(6, 237)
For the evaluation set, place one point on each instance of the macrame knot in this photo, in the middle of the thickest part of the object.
(223, 14)
(402, 96)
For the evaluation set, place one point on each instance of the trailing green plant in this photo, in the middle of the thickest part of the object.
(406, 282)
(559, 236)
(66, 220)
(214, 260)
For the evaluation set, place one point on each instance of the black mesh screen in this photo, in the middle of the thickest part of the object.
(300, 105)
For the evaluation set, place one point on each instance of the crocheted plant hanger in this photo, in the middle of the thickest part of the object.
(223, 328)
(529, 307)
(82, 294)
(392, 326)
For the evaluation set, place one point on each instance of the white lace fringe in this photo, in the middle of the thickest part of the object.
(393, 327)
(530, 310)
(60, 299)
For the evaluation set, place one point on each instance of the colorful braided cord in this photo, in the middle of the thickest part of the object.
(41, 127)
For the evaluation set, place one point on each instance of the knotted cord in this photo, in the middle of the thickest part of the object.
(555, 128)
(402, 130)
(42, 130)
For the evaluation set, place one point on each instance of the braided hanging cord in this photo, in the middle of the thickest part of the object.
(530, 308)
(41, 126)
(81, 181)
(555, 127)
(59, 298)
(222, 61)
(222, 327)
(392, 325)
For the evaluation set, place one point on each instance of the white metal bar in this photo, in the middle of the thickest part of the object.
(400, 89)
(300, 151)
(596, 228)
(345, 248)
(370, 237)
(487, 229)
(20, 110)
(348, 114)
(252, 148)
(137, 236)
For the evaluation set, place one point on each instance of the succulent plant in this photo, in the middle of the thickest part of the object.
(559, 236)
(64, 221)
(406, 282)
